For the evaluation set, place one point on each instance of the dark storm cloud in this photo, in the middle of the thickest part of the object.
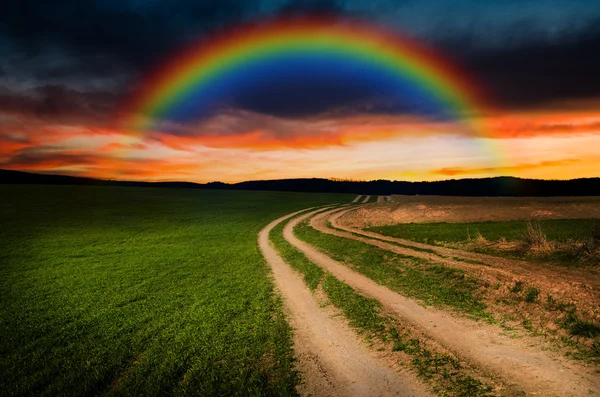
(41, 158)
(138, 32)
(527, 53)
(542, 74)
(59, 104)
(312, 6)
(484, 24)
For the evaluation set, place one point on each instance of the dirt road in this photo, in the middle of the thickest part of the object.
(519, 362)
(356, 198)
(366, 199)
(563, 282)
(332, 360)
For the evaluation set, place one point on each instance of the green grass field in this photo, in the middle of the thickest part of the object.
(122, 291)
(414, 277)
(560, 230)
(564, 237)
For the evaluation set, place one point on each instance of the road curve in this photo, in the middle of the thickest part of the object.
(561, 278)
(520, 365)
(331, 358)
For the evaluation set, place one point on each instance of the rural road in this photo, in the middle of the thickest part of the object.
(555, 278)
(318, 222)
(520, 365)
(356, 198)
(332, 359)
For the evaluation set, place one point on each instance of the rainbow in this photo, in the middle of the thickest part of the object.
(205, 69)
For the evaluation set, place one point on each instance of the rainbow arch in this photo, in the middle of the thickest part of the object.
(199, 69)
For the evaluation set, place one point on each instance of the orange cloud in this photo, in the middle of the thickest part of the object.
(454, 171)
(545, 124)
(268, 147)
(246, 130)
(9, 145)
(122, 146)
(98, 165)
(260, 140)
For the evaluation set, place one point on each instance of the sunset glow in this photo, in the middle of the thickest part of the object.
(200, 117)
(540, 145)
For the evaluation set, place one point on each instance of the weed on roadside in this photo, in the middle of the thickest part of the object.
(517, 288)
(445, 370)
(531, 295)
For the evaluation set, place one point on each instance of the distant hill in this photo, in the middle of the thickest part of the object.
(498, 186)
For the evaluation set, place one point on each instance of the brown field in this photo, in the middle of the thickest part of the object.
(425, 209)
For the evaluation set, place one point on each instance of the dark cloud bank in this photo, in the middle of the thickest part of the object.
(72, 58)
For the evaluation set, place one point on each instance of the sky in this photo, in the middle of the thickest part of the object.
(69, 68)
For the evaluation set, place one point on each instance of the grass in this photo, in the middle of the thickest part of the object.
(141, 291)
(443, 368)
(420, 249)
(312, 273)
(582, 334)
(443, 371)
(561, 230)
(363, 313)
(532, 295)
(433, 284)
(517, 288)
(596, 348)
(579, 327)
(534, 238)
(553, 239)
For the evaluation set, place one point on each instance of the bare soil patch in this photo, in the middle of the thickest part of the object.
(425, 209)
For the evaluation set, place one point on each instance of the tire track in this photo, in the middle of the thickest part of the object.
(366, 199)
(331, 358)
(505, 269)
(521, 365)
(318, 223)
(356, 198)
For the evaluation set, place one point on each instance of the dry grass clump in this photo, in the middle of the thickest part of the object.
(477, 240)
(590, 246)
(534, 239)
(533, 242)
(585, 251)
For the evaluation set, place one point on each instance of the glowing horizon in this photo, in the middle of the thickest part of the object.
(541, 145)
(169, 132)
